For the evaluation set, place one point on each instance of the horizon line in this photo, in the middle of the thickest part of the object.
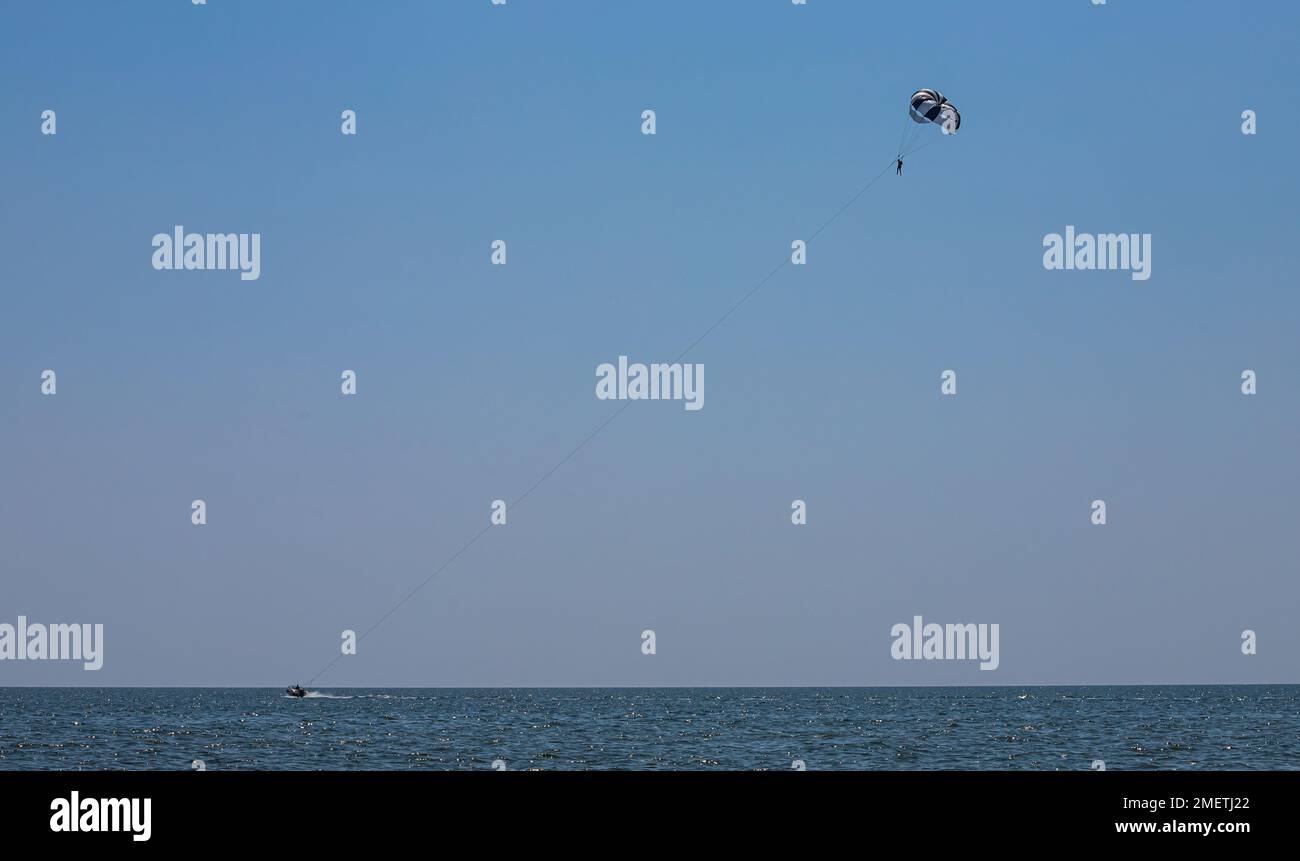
(668, 687)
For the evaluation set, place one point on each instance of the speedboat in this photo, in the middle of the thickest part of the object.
(296, 691)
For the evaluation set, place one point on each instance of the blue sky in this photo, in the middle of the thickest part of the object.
(522, 122)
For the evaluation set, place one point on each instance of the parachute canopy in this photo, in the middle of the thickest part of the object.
(929, 106)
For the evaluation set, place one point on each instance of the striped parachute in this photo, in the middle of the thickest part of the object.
(929, 106)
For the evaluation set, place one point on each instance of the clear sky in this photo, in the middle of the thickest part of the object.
(523, 122)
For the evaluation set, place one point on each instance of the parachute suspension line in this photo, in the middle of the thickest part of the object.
(912, 139)
(914, 149)
(902, 138)
(911, 130)
(914, 134)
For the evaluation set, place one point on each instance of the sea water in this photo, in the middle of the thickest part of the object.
(1227, 727)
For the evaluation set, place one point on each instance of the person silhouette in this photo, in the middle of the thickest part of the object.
(899, 170)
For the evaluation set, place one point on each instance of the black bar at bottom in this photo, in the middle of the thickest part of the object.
(239, 809)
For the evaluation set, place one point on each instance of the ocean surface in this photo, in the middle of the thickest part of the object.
(1224, 727)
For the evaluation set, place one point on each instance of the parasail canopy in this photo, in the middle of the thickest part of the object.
(929, 106)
